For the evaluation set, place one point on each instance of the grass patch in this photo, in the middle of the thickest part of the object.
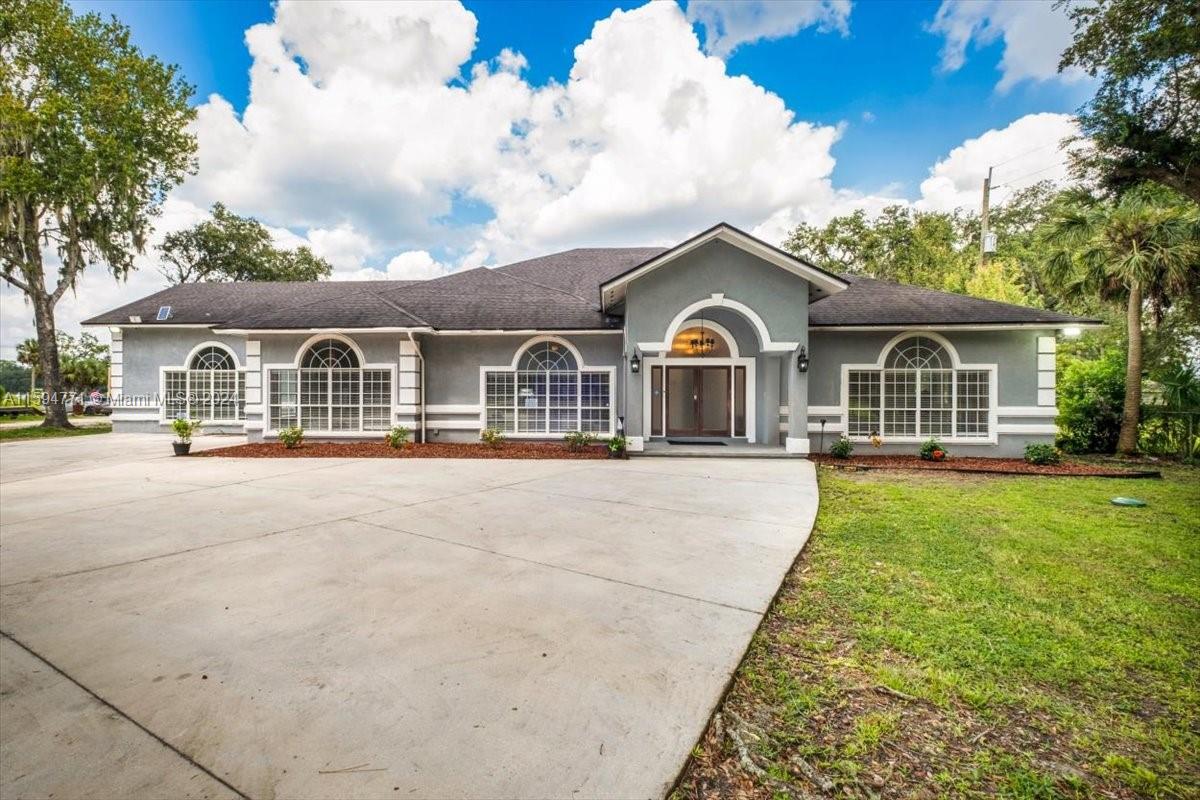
(22, 418)
(955, 635)
(38, 432)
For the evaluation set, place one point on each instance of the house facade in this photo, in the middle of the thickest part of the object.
(722, 338)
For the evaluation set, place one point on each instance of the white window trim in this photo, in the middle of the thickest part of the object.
(956, 364)
(363, 364)
(751, 407)
(580, 368)
(163, 419)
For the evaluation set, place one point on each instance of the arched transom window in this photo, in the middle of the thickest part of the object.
(331, 391)
(549, 356)
(919, 352)
(918, 393)
(212, 358)
(547, 393)
(210, 388)
(699, 341)
(328, 354)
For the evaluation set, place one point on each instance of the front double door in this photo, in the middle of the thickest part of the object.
(698, 401)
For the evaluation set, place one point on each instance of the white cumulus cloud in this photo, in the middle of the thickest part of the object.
(1023, 153)
(368, 125)
(1034, 33)
(728, 25)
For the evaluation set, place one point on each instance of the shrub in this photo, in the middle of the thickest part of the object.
(398, 437)
(617, 445)
(842, 448)
(578, 440)
(492, 437)
(184, 428)
(292, 437)
(930, 449)
(1091, 400)
(1042, 454)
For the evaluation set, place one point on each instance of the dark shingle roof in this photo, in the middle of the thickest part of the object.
(870, 301)
(221, 303)
(554, 292)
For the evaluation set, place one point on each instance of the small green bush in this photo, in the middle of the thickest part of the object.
(292, 437)
(578, 440)
(184, 428)
(931, 446)
(617, 445)
(398, 437)
(1042, 454)
(842, 448)
(492, 437)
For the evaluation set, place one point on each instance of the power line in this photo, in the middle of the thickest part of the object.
(1027, 152)
(1011, 181)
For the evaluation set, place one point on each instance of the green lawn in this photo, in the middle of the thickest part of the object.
(21, 418)
(38, 432)
(954, 636)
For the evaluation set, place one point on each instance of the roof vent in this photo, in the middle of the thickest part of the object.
(164, 312)
(135, 319)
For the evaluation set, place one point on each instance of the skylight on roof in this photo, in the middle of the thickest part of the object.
(164, 312)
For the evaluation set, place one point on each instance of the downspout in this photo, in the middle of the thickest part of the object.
(420, 358)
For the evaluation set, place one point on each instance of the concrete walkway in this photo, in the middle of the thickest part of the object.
(373, 628)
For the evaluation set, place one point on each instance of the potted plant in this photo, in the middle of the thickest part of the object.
(184, 428)
(617, 447)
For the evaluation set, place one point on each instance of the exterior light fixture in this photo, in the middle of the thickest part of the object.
(635, 364)
(1071, 332)
(802, 360)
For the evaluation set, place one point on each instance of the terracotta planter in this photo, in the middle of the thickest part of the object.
(181, 448)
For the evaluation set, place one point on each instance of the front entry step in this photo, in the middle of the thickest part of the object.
(695, 448)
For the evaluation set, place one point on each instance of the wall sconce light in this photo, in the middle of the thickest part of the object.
(635, 364)
(1071, 332)
(802, 360)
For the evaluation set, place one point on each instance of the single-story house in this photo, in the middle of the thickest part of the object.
(721, 336)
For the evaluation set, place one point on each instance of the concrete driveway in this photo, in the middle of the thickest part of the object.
(310, 628)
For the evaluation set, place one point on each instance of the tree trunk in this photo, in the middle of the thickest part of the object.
(1127, 442)
(52, 388)
(32, 381)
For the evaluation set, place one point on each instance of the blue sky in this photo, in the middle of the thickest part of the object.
(885, 67)
(409, 140)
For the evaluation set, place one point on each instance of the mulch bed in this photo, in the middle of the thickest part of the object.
(521, 450)
(997, 466)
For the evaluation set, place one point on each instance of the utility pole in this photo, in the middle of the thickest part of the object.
(983, 219)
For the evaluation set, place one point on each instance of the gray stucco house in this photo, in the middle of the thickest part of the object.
(722, 336)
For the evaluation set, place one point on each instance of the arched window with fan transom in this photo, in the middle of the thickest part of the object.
(210, 387)
(920, 391)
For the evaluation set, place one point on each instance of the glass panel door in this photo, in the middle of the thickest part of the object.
(714, 401)
(682, 399)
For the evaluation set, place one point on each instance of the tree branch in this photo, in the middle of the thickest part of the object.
(19, 284)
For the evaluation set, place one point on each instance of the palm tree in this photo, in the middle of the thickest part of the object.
(27, 354)
(1141, 250)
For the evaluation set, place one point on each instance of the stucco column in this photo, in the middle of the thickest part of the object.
(797, 437)
(768, 398)
(256, 406)
(636, 428)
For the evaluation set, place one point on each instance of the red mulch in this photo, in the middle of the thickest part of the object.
(377, 449)
(1000, 466)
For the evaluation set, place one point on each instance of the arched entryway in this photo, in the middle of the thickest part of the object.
(701, 386)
